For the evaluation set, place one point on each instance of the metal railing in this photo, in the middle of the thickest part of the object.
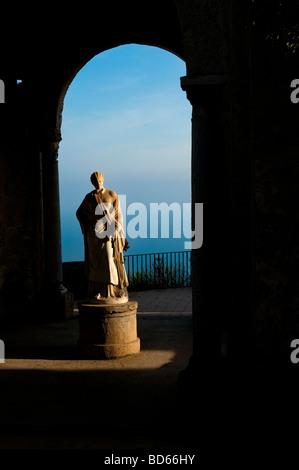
(158, 270)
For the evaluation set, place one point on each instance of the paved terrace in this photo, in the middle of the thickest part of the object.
(56, 399)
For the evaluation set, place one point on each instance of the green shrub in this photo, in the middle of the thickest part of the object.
(159, 276)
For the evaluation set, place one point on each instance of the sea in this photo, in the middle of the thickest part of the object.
(73, 243)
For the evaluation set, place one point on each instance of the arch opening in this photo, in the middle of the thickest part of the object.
(126, 116)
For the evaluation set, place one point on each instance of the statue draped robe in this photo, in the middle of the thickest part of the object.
(104, 261)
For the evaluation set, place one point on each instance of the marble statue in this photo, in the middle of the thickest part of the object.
(101, 223)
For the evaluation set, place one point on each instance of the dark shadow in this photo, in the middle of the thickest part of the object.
(54, 393)
(58, 341)
(113, 404)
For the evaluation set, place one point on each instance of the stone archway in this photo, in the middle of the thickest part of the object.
(50, 148)
(204, 92)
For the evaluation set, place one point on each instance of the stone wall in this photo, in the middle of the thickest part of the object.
(275, 151)
(20, 208)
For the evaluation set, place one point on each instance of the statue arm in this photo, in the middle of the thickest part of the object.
(119, 242)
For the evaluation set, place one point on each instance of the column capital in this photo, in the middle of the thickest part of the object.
(201, 88)
(49, 142)
(203, 80)
(50, 150)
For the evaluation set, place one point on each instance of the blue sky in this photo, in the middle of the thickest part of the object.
(126, 116)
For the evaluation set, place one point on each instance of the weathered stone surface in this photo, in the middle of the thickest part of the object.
(108, 331)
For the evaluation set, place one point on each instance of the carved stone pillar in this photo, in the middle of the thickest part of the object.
(207, 185)
(59, 300)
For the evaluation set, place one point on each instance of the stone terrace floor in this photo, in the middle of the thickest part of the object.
(55, 399)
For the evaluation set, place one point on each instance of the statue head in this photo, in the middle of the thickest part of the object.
(97, 179)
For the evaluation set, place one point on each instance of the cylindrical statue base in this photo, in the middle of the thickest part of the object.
(108, 331)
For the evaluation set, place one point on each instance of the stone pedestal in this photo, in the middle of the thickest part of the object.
(108, 331)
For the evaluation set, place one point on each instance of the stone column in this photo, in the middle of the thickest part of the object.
(60, 301)
(204, 94)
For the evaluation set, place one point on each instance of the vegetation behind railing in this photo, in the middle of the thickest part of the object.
(159, 270)
(145, 271)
